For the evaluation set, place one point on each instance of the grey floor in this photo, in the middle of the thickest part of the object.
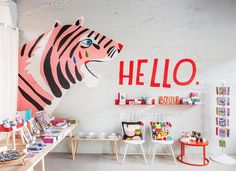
(99, 162)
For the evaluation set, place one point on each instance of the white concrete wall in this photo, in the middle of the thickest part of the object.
(203, 30)
(8, 12)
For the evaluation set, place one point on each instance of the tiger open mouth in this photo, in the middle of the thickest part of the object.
(112, 52)
(89, 69)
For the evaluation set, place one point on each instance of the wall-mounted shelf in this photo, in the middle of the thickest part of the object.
(154, 102)
(186, 105)
(128, 101)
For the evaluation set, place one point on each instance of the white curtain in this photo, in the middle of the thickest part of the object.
(9, 40)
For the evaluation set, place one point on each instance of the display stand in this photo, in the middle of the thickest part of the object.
(11, 132)
(222, 123)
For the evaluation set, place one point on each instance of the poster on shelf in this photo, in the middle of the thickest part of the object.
(223, 101)
(222, 143)
(222, 90)
(222, 122)
(223, 111)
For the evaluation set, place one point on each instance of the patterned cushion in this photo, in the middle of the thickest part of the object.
(161, 131)
(132, 130)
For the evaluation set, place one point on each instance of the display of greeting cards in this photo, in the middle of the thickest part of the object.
(222, 114)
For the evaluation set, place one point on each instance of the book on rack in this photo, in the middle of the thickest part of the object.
(42, 119)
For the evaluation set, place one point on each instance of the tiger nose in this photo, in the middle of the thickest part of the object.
(120, 46)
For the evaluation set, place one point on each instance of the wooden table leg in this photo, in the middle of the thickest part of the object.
(76, 147)
(8, 138)
(14, 139)
(116, 150)
(22, 137)
(42, 163)
(72, 148)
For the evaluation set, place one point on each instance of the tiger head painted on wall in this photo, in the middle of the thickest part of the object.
(52, 63)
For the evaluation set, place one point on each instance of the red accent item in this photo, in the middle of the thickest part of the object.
(129, 76)
(165, 78)
(56, 121)
(120, 46)
(48, 140)
(154, 71)
(195, 144)
(127, 102)
(80, 55)
(193, 72)
(2, 129)
(139, 73)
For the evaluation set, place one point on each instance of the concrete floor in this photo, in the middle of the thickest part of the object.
(99, 162)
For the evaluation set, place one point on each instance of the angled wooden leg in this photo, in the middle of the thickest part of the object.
(42, 164)
(8, 138)
(14, 139)
(76, 147)
(22, 137)
(72, 147)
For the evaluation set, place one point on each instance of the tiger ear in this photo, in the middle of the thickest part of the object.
(57, 23)
(80, 21)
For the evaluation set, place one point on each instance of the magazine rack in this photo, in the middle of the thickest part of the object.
(222, 123)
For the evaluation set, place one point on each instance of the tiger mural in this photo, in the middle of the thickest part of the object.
(58, 59)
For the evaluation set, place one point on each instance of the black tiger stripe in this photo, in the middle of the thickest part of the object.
(64, 39)
(108, 43)
(69, 75)
(73, 49)
(30, 99)
(90, 34)
(100, 41)
(78, 76)
(35, 43)
(95, 38)
(45, 100)
(49, 76)
(63, 29)
(110, 48)
(62, 80)
(22, 50)
(73, 39)
(113, 53)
